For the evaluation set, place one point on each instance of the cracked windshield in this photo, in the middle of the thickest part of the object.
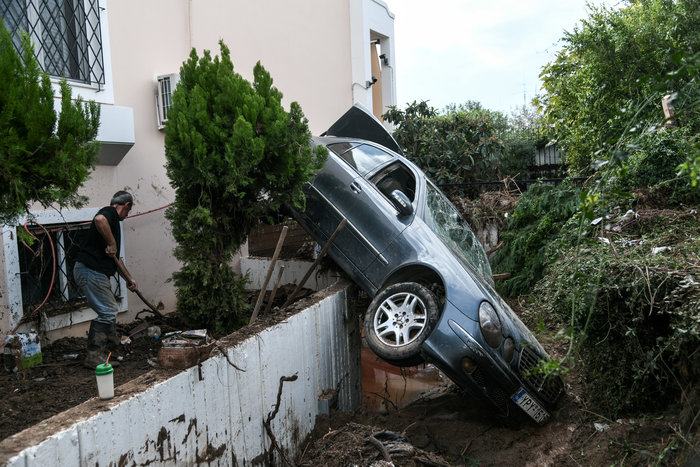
(444, 219)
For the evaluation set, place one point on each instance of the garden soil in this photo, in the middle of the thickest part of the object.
(442, 427)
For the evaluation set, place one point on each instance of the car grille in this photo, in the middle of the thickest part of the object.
(499, 397)
(547, 387)
(479, 377)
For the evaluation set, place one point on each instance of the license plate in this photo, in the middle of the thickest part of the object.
(532, 408)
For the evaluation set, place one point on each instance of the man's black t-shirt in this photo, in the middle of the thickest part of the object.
(92, 253)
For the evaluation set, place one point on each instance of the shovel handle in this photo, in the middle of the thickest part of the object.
(125, 275)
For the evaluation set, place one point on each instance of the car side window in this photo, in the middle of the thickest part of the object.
(340, 148)
(364, 157)
(395, 177)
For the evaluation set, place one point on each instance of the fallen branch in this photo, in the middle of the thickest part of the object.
(406, 429)
(271, 416)
(227, 359)
(378, 444)
(469, 443)
(494, 249)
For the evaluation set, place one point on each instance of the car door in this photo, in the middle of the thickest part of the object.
(342, 191)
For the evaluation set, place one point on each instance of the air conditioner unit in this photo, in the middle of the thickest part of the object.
(165, 85)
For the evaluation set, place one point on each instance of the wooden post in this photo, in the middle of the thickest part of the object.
(340, 227)
(254, 316)
(274, 290)
(669, 110)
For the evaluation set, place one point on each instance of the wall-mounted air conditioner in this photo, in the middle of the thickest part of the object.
(165, 85)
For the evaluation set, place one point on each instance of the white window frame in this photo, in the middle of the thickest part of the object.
(14, 282)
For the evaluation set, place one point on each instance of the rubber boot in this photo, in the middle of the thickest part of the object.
(97, 345)
(113, 337)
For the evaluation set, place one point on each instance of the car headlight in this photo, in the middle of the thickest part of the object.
(508, 350)
(490, 324)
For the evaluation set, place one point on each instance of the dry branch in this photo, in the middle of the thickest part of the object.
(271, 416)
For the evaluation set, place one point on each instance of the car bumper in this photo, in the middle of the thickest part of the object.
(493, 381)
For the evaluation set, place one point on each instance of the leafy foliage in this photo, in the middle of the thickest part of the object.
(533, 226)
(653, 164)
(40, 160)
(234, 156)
(637, 314)
(466, 143)
(633, 312)
(455, 147)
(608, 80)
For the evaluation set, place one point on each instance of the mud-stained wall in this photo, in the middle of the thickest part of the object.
(218, 418)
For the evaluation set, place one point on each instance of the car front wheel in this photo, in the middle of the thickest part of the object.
(398, 321)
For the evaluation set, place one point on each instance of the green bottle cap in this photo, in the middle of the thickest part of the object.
(104, 369)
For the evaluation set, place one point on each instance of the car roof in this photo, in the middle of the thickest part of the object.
(358, 122)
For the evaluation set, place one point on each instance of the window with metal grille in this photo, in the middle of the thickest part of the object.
(38, 276)
(66, 35)
(165, 85)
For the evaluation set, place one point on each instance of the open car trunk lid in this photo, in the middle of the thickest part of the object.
(358, 122)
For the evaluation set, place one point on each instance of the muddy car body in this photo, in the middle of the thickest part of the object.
(432, 290)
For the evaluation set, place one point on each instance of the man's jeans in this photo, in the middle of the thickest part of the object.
(98, 292)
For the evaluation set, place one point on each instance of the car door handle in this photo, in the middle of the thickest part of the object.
(354, 186)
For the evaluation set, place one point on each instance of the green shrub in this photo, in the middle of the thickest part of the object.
(635, 315)
(654, 161)
(535, 224)
(458, 146)
(612, 71)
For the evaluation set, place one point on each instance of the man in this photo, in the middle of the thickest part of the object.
(95, 263)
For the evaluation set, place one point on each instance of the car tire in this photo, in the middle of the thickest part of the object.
(398, 321)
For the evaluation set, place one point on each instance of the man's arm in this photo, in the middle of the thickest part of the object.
(102, 225)
(130, 281)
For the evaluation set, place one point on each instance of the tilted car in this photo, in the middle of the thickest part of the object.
(430, 281)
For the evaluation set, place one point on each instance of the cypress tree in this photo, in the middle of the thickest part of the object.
(234, 156)
(41, 160)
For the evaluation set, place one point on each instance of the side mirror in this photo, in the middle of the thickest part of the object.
(402, 203)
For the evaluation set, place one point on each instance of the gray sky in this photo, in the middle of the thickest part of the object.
(491, 51)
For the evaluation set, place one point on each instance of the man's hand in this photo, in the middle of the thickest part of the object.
(111, 250)
(133, 286)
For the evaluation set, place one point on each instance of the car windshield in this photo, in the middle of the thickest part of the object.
(444, 219)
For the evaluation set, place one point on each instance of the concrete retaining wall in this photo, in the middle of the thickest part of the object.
(218, 419)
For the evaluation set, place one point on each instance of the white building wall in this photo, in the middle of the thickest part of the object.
(371, 20)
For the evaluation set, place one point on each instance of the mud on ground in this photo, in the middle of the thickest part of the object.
(447, 427)
(61, 382)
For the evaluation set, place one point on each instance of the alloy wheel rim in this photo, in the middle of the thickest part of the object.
(400, 319)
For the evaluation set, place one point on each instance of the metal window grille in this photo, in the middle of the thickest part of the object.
(166, 93)
(165, 85)
(66, 35)
(36, 270)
